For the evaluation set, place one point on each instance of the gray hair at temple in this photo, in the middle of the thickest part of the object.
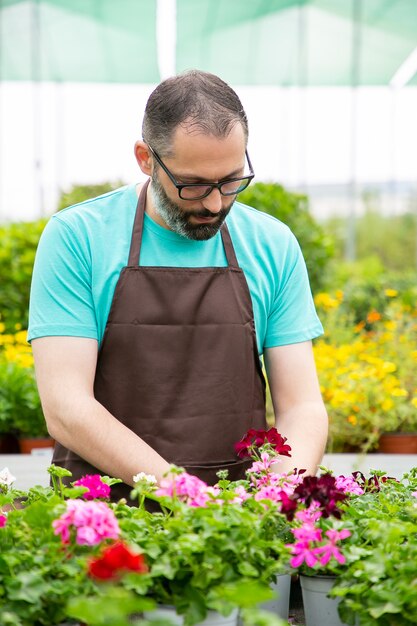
(201, 102)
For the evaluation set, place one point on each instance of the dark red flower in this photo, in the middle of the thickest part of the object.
(114, 560)
(373, 483)
(256, 438)
(323, 491)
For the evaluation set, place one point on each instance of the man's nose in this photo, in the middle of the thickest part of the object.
(213, 202)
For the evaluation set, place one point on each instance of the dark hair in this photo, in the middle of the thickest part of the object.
(196, 99)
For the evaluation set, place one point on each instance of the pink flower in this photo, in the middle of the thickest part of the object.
(92, 522)
(308, 516)
(348, 484)
(414, 494)
(270, 492)
(303, 552)
(3, 520)
(187, 487)
(96, 487)
(264, 465)
(241, 495)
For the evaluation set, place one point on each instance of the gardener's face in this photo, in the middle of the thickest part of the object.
(196, 158)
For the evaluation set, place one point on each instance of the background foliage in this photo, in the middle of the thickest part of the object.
(293, 210)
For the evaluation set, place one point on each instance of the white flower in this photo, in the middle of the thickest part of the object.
(146, 478)
(6, 478)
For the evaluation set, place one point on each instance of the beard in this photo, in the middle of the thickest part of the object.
(178, 220)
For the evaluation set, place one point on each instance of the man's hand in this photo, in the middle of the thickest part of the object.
(65, 371)
(300, 414)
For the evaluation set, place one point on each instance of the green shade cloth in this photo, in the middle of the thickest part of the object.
(247, 42)
(304, 42)
(111, 41)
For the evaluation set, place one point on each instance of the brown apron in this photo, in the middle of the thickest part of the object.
(179, 363)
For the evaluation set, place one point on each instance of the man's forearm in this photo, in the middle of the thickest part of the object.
(306, 428)
(89, 430)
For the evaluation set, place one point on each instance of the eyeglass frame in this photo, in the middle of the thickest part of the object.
(180, 186)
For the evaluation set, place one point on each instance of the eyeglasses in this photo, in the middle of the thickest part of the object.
(197, 191)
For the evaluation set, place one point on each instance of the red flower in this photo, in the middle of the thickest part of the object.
(114, 560)
(256, 438)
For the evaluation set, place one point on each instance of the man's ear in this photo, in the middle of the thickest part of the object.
(143, 157)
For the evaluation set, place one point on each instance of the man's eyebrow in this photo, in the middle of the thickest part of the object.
(191, 178)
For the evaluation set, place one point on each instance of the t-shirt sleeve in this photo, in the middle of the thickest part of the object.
(293, 316)
(61, 301)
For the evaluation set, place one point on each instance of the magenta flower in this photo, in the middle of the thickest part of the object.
(96, 487)
(327, 551)
(3, 520)
(307, 532)
(91, 522)
(337, 535)
(288, 506)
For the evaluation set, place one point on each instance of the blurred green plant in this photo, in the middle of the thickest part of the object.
(293, 209)
(80, 193)
(391, 239)
(18, 243)
(20, 406)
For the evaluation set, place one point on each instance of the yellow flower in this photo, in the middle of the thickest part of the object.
(2, 327)
(399, 393)
(387, 404)
(414, 402)
(352, 419)
(325, 301)
(391, 293)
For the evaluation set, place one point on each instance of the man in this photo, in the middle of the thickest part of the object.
(151, 305)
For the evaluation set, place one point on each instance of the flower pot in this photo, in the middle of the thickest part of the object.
(27, 444)
(398, 443)
(8, 444)
(280, 604)
(319, 610)
(213, 617)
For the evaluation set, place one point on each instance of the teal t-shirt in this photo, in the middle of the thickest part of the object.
(84, 247)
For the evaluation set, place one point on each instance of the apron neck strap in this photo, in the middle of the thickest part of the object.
(135, 244)
(228, 247)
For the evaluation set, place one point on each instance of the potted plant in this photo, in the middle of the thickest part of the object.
(378, 582)
(60, 543)
(351, 534)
